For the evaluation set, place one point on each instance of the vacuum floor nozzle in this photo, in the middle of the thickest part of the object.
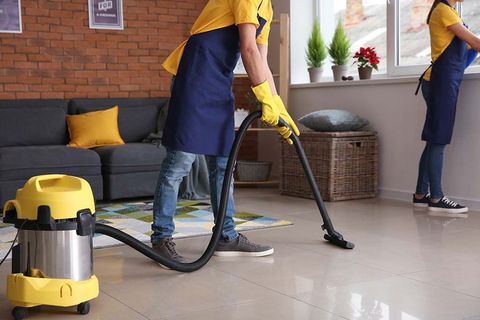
(339, 241)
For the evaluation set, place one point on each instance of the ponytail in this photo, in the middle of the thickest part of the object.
(434, 5)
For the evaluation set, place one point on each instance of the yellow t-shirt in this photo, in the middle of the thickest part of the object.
(443, 16)
(219, 14)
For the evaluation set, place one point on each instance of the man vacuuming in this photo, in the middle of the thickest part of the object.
(201, 113)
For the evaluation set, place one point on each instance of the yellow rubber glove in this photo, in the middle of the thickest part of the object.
(284, 131)
(270, 113)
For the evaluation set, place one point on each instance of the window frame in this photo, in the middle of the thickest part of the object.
(394, 69)
(393, 42)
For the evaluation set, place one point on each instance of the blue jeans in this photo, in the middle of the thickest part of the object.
(175, 166)
(431, 162)
(430, 170)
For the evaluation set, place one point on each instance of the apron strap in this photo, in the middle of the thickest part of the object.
(421, 78)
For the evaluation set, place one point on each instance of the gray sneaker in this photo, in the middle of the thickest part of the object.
(166, 248)
(241, 246)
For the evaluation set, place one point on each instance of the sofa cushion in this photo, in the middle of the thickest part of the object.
(137, 118)
(32, 122)
(24, 162)
(94, 129)
(131, 157)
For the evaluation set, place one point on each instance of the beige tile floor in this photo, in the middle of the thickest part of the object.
(406, 265)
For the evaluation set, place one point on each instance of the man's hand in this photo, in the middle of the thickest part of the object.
(284, 131)
(270, 112)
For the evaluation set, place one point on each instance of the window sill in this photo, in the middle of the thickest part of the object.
(376, 80)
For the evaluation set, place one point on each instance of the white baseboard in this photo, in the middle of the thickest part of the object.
(406, 196)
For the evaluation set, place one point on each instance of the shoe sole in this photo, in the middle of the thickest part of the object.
(420, 205)
(243, 253)
(460, 213)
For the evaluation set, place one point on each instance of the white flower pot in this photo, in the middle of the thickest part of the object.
(315, 74)
(339, 71)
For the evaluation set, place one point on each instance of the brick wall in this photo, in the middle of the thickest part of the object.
(59, 56)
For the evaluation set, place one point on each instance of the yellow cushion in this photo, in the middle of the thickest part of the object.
(94, 129)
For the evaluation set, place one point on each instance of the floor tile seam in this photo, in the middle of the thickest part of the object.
(461, 229)
(389, 272)
(322, 254)
(407, 241)
(354, 261)
(440, 287)
(259, 300)
(294, 297)
(126, 305)
(193, 313)
(400, 274)
(351, 260)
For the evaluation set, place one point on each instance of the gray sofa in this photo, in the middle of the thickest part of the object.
(34, 134)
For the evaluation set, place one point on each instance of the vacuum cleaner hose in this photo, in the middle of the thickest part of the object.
(332, 235)
(217, 229)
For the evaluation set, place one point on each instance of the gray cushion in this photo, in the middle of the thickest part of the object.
(131, 157)
(130, 185)
(137, 118)
(32, 122)
(333, 120)
(25, 162)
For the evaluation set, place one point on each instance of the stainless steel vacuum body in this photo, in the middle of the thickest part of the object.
(56, 254)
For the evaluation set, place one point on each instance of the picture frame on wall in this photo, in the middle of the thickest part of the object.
(105, 14)
(10, 16)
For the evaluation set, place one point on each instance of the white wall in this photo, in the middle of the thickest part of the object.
(398, 117)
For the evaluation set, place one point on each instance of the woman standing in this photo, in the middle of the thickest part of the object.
(450, 41)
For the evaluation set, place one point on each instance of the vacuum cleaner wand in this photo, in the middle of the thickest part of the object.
(332, 235)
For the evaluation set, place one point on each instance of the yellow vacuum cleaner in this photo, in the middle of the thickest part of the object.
(52, 263)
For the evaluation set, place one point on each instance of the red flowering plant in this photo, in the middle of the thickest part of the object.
(367, 57)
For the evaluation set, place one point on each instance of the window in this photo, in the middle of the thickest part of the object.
(396, 28)
(408, 35)
(413, 36)
(365, 24)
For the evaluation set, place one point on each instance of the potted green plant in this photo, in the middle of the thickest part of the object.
(339, 50)
(316, 53)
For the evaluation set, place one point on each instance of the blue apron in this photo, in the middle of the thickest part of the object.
(446, 77)
(200, 119)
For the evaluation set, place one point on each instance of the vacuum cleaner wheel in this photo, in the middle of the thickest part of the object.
(19, 313)
(83, 308)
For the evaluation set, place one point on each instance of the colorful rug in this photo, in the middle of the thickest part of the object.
(193, 219)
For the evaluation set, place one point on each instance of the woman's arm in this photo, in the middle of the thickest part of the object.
(463, 33)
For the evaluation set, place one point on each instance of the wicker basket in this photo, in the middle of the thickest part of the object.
(344, 165)
(253, 171)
